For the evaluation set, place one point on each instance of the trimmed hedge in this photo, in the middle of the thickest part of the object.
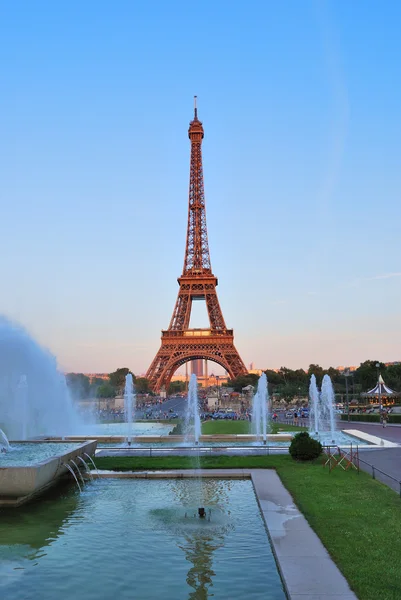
(375, 418)
(304, 447)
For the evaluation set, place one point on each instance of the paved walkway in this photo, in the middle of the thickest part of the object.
(390, 433)
(386, 460)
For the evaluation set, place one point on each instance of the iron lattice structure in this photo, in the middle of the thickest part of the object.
(179, 343)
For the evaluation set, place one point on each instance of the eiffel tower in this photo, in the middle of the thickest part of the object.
(179, 343)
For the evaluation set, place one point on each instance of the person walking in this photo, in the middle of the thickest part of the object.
(385, 418)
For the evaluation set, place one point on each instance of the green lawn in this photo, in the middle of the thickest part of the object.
(235, 427)
(357, 518)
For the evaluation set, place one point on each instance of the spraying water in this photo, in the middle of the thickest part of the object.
(260, 409)
(21, 398)
(327, 402)
(314, 405)
(192, 418)
(34, 398)
(129, 404)
(4, 443)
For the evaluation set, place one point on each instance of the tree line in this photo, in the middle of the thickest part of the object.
(289, 384)
(82, 387)
(285, 383)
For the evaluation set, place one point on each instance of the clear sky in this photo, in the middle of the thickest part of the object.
(300, 103)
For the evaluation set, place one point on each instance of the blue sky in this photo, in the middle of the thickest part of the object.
(300, 103)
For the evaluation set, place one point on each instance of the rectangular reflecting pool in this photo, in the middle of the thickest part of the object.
(127, 539)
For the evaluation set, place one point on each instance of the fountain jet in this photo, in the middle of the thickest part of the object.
(129, 405)
(260, 409)
(192, 417)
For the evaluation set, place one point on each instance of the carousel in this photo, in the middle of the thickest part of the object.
(381, 393)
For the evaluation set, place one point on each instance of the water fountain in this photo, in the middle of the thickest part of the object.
(34, 399)
(129, 405)
(322, 417)
(192, 418)
(314, 407)
(260, 409)
(327, 402)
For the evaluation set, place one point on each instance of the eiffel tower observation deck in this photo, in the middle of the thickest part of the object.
(179, 343)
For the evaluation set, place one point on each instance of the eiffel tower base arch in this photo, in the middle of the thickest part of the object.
(179, 347)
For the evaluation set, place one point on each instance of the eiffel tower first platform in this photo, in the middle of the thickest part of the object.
(179, 344)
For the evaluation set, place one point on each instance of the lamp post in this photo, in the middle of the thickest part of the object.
(378, 385)
(218, 390)
(346, 375)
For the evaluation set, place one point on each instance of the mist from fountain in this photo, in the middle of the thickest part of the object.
(21, 398)
(260, 409)
(129, 405)
(192, 425)
(34, 398)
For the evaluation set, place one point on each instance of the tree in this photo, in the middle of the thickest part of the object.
(243, 380)
(273, 377)
(393, 377)
(95, 384)
(106, 390)
(289, 391)
(142, 385)
(366, 373)
(79, 385)
(176, 387)
(317, 371)
(117, 378)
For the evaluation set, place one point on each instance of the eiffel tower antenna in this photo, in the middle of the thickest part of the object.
(179, 343)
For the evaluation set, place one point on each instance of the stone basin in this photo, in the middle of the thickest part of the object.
(18, 484)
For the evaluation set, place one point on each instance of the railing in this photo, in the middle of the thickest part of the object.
(380, 475)
(196, 332)
(376, 473)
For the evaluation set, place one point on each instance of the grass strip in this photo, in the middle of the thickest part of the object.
(160, 463)
(225, 426)
(357, 518)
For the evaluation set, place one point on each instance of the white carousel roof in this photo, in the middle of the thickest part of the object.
(380, 389)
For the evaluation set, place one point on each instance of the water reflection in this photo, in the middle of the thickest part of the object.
(27, 530)
(200, 538)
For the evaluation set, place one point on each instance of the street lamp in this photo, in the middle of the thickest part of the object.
(346, 375)
(378, 385)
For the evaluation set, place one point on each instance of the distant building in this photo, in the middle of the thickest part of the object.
(197, 367)
(93, 376)
(256, 371)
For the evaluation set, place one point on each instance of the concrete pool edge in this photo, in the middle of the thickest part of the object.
(22, 483)
(305, 566)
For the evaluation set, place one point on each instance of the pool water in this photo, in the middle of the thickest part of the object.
(341, 439)
(27, 454)
(124, 429)
(126, 539)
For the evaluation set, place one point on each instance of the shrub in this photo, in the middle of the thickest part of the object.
(303, 447)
